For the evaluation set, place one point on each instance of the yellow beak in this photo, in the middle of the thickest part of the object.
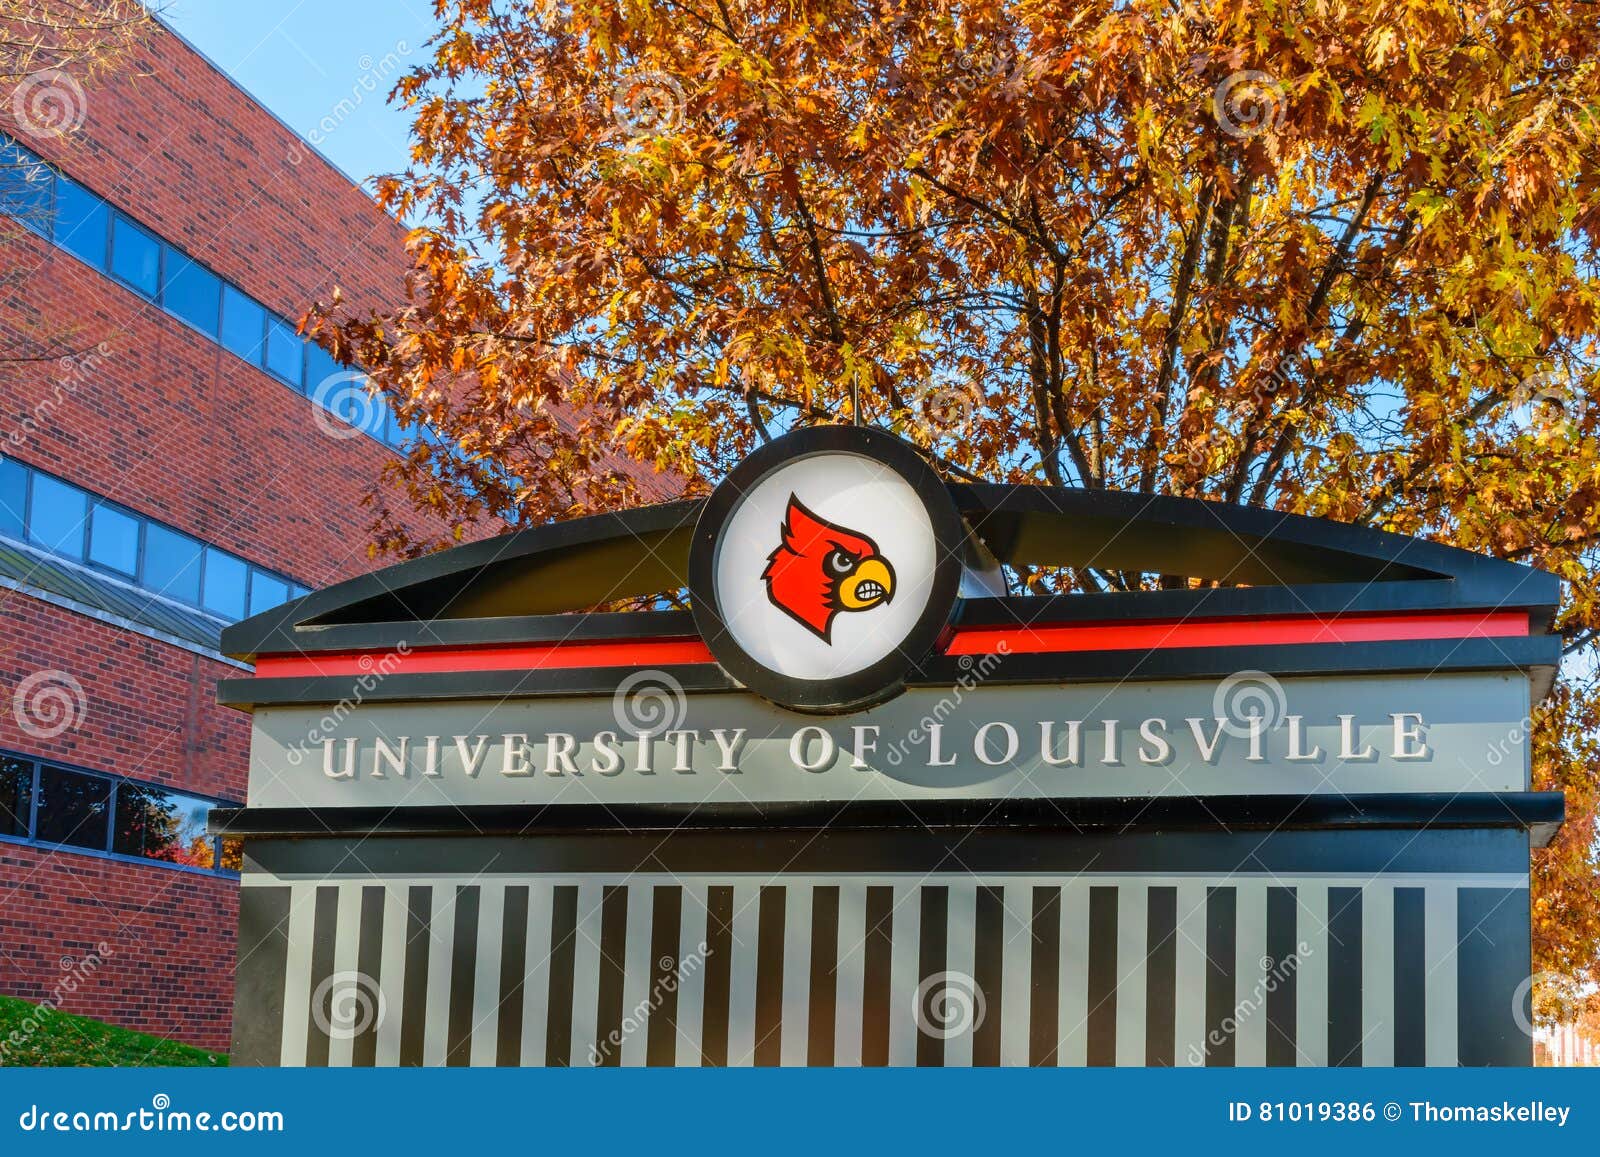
(868, 585)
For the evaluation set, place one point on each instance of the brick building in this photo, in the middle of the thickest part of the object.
(174, 458)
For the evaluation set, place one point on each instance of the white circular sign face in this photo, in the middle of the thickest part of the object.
(825, 566)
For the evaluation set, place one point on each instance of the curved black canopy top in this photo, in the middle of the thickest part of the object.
(523, 585)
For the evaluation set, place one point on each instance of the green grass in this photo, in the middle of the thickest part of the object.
(61, 1039)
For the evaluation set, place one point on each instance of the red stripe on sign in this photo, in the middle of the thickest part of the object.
(522, 657)
(1244, 632)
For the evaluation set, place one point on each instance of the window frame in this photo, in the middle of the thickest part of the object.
(116, 217)
(39, 762)
(47, 230)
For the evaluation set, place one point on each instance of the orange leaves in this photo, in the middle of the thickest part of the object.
(1318, 263)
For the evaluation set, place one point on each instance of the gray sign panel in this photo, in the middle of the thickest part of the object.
(1248, 735)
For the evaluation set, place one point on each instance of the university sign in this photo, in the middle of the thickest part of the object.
(863, 805)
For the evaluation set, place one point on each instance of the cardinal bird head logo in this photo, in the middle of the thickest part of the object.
(821, 569)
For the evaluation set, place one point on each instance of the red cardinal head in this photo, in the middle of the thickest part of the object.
(822, 569)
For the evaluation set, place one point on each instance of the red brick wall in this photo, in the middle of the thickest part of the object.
(170, 424)
(174, 426)
(179, 147)
(149, 711)
(169, 936)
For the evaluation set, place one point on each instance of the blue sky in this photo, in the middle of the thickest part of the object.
(324, 67)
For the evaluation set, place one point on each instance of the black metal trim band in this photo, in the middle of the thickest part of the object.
(1539, 813)
(1537, 655)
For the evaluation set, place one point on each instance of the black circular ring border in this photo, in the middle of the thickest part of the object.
(885, 678)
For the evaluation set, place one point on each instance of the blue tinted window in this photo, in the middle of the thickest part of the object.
(171, 563)
(13, 497)
(320, 367)
(393, 432)
(114, 539)
(56, 516)
(162, 825)
(81, 222)
(242, 324)
(25, 187)
(345, 394)
(224, 584)
(266, 592)
(285, 351)
(192, 292)
(135, 256)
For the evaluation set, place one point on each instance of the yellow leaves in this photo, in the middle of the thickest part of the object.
(1381, 46)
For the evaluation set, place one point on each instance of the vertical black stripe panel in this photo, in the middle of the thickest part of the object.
(1101, 1022)
(1044, 986)
(369, 958)
(319, 1016)
(823, 1005)
(931, 959)
(1283, 956)
(414, 1002)
(563, 966)
(719, 976)
(1410, 978)
(876, 976)
(1492, 963)
(666, 933)
(1161, 978)
(463, 976)
(989, 937)
(1222, 1001)
(260, 976)
(613, 961)
(513, 975)
(1344, 977)
(769, 976)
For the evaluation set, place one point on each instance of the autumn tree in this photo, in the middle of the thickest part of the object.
(1330, 258)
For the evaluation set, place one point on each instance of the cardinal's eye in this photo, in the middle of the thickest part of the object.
(839, 563)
